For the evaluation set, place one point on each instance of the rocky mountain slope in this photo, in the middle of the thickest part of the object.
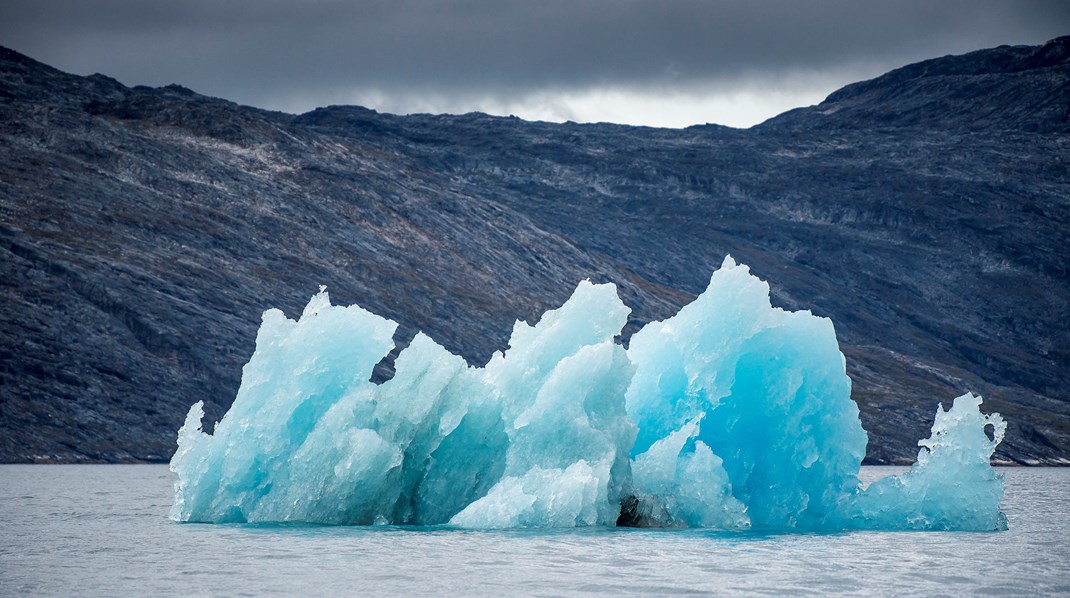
(143, 231)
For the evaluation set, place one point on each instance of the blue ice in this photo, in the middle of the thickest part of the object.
(732, 414)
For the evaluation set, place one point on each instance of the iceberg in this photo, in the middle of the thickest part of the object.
(732, 414)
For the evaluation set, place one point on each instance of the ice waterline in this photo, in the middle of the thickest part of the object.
(732, 414)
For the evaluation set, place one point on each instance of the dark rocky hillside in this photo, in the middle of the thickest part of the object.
(143, 231)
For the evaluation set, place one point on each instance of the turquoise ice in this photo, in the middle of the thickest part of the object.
(732, 414)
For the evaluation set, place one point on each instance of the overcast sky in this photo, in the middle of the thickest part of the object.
(661, 63)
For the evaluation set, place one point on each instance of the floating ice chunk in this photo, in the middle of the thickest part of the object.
(563, 398)
(730, 414)
(951, 486)
(309, 438)
(772, 390)
(249, 462)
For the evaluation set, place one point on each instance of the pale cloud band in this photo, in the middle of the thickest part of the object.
(731, 103)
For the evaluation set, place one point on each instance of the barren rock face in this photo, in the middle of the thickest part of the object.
(144, 231)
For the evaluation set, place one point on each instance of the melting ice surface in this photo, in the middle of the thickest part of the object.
(732, 414)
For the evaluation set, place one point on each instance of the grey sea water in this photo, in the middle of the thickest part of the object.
(92, 530)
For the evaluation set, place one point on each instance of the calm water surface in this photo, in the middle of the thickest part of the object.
(90, 530)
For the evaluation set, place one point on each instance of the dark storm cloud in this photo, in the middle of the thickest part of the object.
(254, 51)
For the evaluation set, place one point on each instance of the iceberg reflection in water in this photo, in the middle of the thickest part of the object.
(732, 414)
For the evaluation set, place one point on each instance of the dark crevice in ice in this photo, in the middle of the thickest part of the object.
(384, 370)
